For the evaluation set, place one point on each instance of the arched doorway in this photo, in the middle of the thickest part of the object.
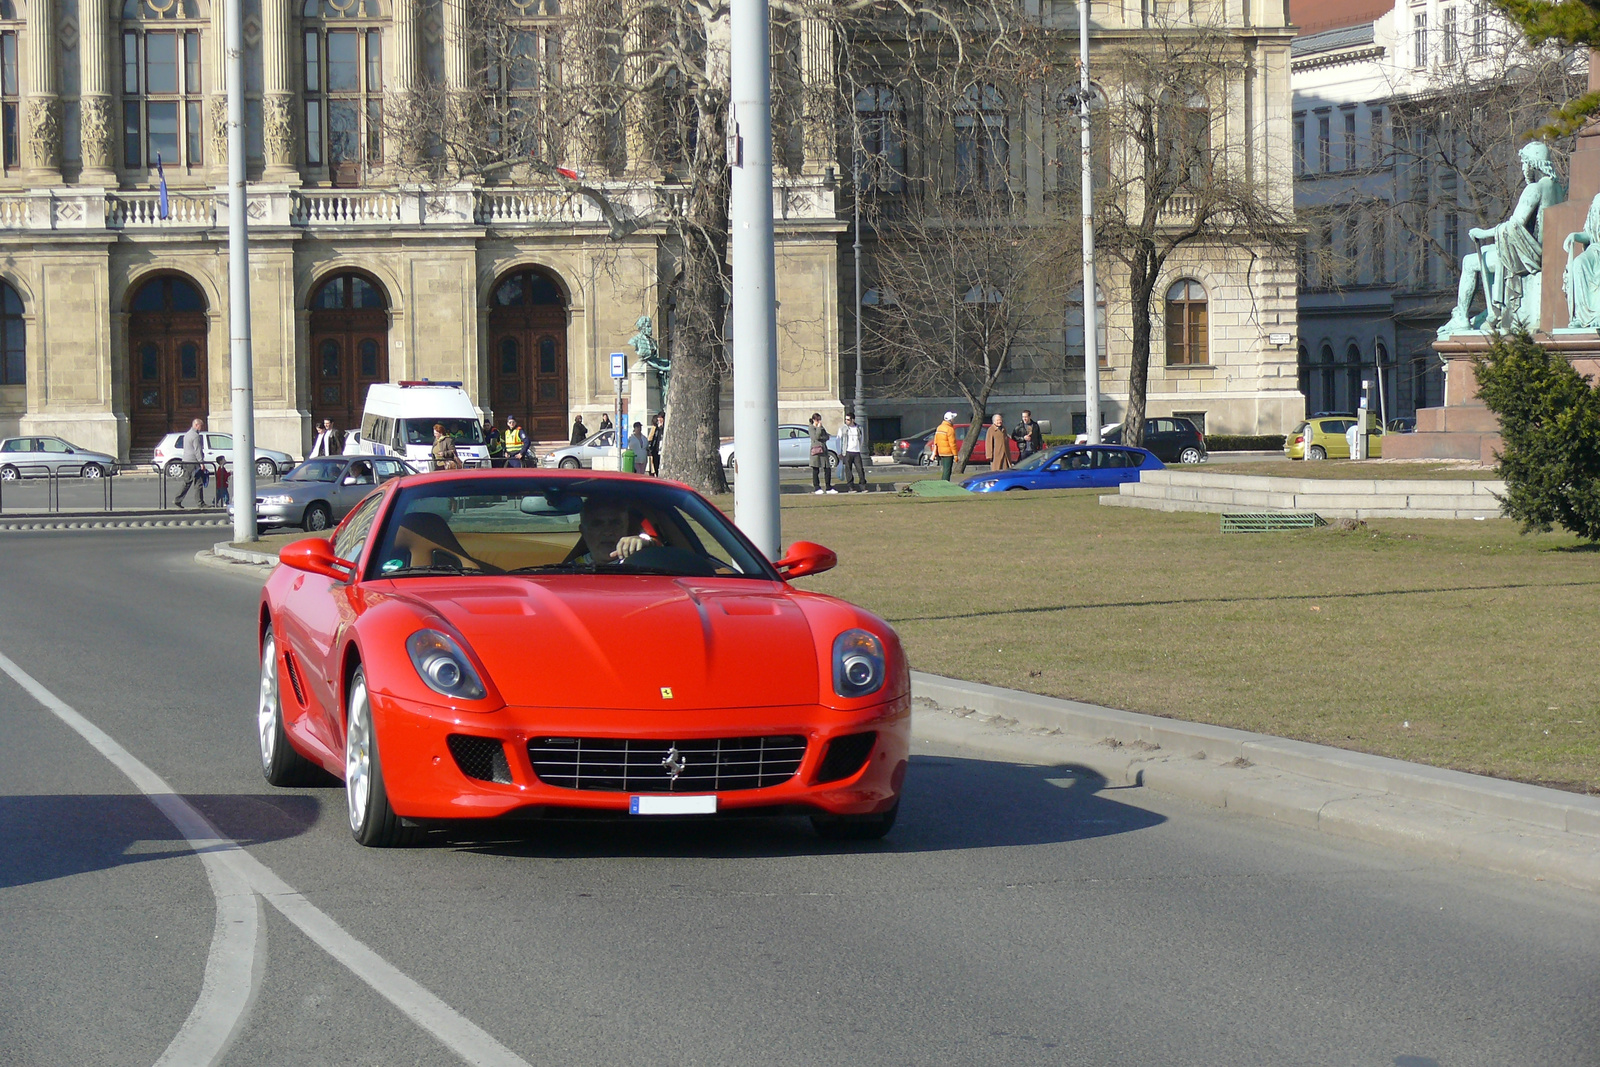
(349, 347)
(167, 375)
(528, 352)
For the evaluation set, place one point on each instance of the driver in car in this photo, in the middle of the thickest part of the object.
(607, 529)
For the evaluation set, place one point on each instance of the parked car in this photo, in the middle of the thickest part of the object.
(1070, 467)
(909, 449)
(169, 455)
(582, 455)
(1403, 424)
(320, 492)
(1324, 438)
(1171, 438)
(980, 450)
(794, 448)
(461, 647)
(29, 457)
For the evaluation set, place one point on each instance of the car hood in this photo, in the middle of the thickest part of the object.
(627, 641)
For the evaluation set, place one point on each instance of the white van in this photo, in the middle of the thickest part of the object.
(399, 421)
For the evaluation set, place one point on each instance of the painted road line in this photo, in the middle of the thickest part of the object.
(233, 968)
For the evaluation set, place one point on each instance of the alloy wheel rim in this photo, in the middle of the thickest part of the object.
(358, 756)
(267, 708)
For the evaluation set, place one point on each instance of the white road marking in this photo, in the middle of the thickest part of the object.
(233, 968)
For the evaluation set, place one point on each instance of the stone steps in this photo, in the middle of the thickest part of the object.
(1332, 498)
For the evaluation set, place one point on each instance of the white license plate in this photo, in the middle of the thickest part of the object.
(672, 805)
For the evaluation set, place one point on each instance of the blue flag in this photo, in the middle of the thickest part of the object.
(162, 210)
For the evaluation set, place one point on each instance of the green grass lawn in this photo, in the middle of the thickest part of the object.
(1462, 644)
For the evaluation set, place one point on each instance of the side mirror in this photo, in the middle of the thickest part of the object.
(806, 557)
(315, 555)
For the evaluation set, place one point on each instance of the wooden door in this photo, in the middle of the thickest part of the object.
(168, 377)
(349, 348)
(530, 370)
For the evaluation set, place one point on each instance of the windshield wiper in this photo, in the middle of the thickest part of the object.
(407, 571)
(554, 568)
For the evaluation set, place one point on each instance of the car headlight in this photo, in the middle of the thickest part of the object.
(442, 666)
(549, 461)
(981, 483)
(277, 498)
(857, 664)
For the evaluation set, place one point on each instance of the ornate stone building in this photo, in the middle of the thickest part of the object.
(113, 311)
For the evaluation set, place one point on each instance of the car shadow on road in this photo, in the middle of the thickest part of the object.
(949, 803)
(56, 836)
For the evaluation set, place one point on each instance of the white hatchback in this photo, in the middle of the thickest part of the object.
(169, 455)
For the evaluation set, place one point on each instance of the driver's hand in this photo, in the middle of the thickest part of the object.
(627, 546)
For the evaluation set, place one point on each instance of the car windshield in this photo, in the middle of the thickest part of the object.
(315, 470)
(533, 524)
(1037, 460)
(462, 431)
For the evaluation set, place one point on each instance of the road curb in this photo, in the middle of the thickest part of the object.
(244, 555)
(1442, 814)
(132, 521)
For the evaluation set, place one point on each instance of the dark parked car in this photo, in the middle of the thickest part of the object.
(909, 449)
(1172, 439)
(1403, 424)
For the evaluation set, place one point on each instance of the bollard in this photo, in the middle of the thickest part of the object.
(629, 457)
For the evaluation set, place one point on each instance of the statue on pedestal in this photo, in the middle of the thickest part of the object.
(1582, 280)
(1510, 257)
(644, 345)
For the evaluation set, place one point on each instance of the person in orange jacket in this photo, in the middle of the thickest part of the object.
(945, 445)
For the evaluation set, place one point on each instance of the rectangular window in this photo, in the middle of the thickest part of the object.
(313, 63)
(1480, 28)
(314, 133)
(161, 104)
(1377, 139)
(1380, 248)
(10, 143)
(161, 63)
(344, 61)
(1299, 146)
(1349, 140)
(1452, 234)
(1447, 27)
(1419, 40)
(1324, 147)
(343, 100)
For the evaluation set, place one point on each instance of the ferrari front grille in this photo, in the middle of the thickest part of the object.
(845, 756)
(620, 765)
(483, 758)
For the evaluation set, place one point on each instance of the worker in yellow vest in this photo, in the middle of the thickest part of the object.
(516, 443)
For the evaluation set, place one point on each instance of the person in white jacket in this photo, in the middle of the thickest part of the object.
(855, 449)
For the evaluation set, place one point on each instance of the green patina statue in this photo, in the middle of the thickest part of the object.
(644, 344)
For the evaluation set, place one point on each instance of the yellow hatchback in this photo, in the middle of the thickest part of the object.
(1324, 438)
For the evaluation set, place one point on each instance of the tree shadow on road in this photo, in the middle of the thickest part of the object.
(949, 803)
(56, 836)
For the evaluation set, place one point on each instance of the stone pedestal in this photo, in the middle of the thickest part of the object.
(1463, 428)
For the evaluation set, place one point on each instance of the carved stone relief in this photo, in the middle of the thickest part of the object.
(94, 127)
(277, 120)
(219, 128)
(44, 131)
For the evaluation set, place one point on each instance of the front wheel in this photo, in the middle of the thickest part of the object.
(1316, 452)
(93, 471)
(1191, 455)
(266, 470)
(280, 763)
(9, 473)
(174, 469)
(569, 464)
(855, 827)
(925, 460)
(372, 821)
(318, 517)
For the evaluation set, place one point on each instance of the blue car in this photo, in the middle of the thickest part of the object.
(1070, 467)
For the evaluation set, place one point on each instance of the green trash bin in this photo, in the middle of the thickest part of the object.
(628, 456)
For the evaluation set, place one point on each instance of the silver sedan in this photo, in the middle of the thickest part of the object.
(321, 491)
(582, 455)
(31, 457)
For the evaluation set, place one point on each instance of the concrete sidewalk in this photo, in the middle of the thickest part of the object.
(1442, 814)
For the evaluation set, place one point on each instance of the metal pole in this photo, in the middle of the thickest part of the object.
(755, 318)
(1091, 332)
(244, 415)
(855, 197)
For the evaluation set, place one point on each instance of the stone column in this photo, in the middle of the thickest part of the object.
(277, 92)
(642, 123)
(44, 95)
(455, 43)
(94, 98)
(217, 98)
(402, 75)
(817, 81)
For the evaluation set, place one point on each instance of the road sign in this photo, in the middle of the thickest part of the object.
(619, 365)
(1279, 339)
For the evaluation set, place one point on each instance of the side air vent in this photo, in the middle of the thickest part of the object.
(482, 758)
(845, 756)
(294, 679)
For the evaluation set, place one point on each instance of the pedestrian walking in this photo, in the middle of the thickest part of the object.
(605, 422)
(945, 445)
(855, 460)
(1028, 435)
(222, 497)
(496, 442)
(444, 450)
(580, 432)
(998, 444)
(516, 442)
(658, 430)
(329, 442)
(641, 448)
(819, 457)
(193, 456)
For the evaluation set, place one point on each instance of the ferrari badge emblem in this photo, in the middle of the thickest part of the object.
(666, 692)
(674, 763)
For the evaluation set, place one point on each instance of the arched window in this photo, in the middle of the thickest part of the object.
(881, 152)
(13, 351)
(162, 84)
(10, 94)
(348, 292)
(1074, 327)
(1187, 335)
(343, 86)
(527, 288)
(983, 145)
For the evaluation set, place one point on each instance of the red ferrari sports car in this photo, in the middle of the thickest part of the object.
(515, 644)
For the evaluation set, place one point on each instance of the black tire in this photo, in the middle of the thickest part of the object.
(9, 473)
(855, 827)
(266, 469)
(280, 764)
(317, 517)
(92, 471)
(569, 463)
(372, 821)
(1316, 452)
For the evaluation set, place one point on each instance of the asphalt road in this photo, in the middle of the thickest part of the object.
(1017, 915)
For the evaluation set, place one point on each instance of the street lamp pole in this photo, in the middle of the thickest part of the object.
(1091, 332)
(244, 416)
(855, 198)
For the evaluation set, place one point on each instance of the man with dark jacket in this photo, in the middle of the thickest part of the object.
(580, 432)
(1028, 435)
